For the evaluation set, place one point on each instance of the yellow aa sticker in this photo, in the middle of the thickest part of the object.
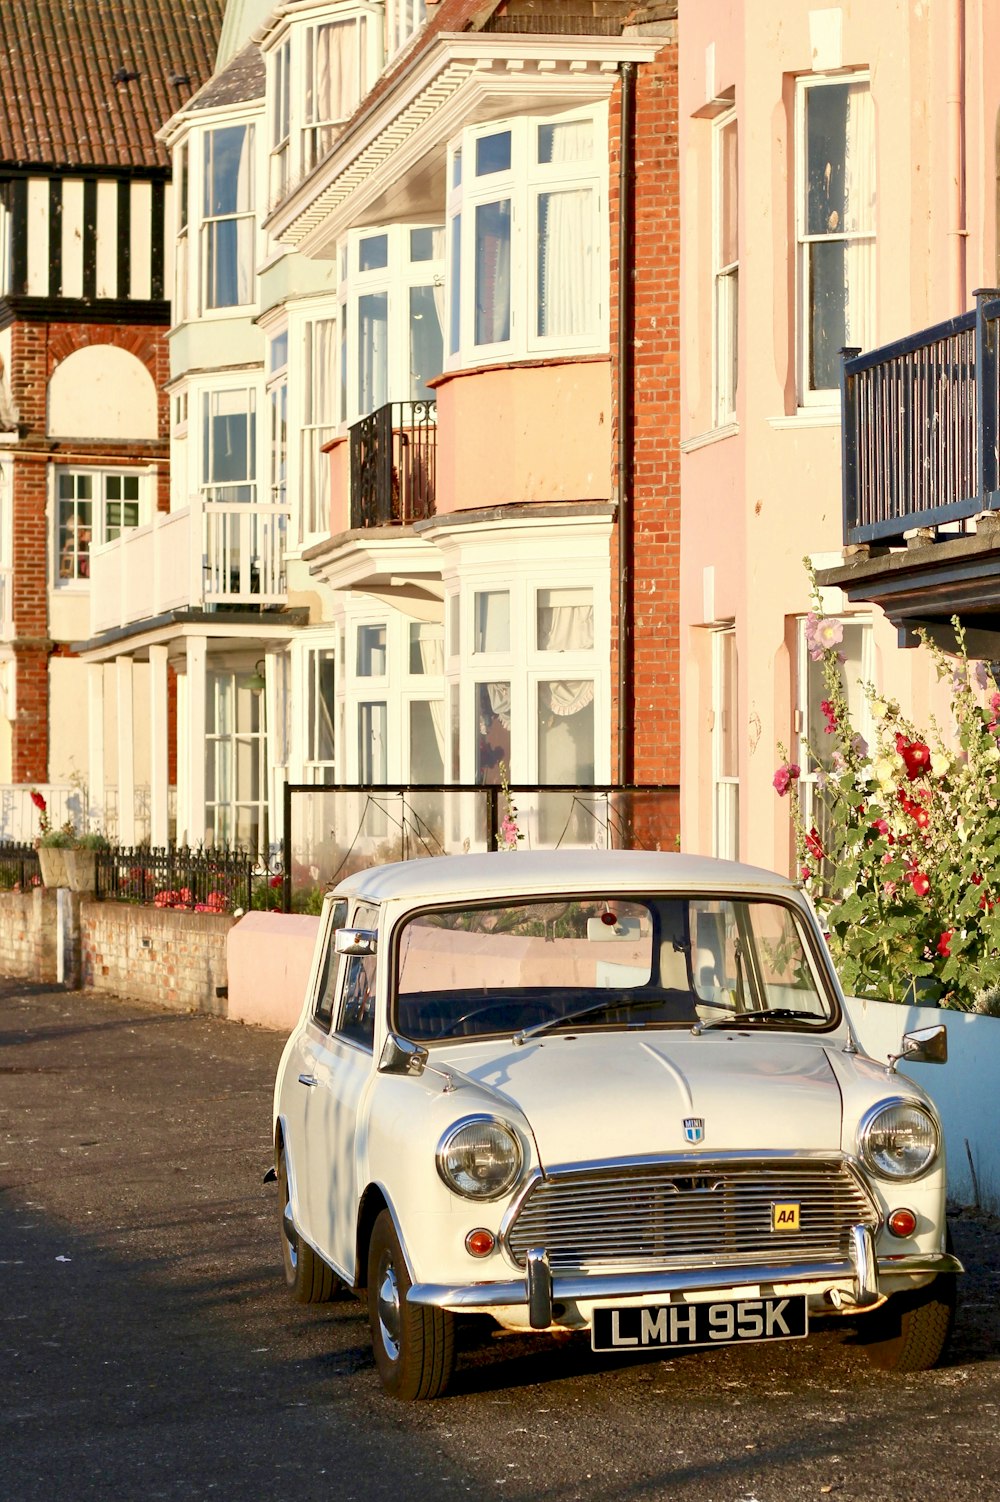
(785, 1217)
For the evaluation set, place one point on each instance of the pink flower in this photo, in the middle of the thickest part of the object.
(889, 888)
(785, 776)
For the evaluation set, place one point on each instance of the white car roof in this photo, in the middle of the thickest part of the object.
(541, 871)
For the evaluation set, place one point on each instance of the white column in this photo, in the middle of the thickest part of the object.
(197, 651)
(126, 751)
(95, 742)
(159, 745)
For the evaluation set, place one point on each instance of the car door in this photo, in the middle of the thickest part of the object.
(343, 1067)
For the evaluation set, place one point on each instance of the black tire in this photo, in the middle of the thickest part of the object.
(414, 1344)
(910, 1333)
(307, 1277)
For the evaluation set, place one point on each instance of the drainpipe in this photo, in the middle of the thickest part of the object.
(625, 394)
(956, 158)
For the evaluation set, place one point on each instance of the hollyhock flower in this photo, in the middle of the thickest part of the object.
(881, 826)
(886, 769)
(944, 943)
(916, 755)
(805, 872)
(940, 763)
(813, 845)
(859, 745)
(995, 701)
(276, 881)
(828, 634)
(785, 776)
(879, 709)
(889, 888)
(982, 675)
(920, 882)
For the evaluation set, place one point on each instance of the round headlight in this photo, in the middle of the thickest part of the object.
(479, 1158)
(899, 1140)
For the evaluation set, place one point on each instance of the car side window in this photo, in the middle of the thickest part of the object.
(356, 1016)
(326, 989)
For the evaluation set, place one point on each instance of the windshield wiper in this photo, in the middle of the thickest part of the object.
(768, 1014)
(581, 1012)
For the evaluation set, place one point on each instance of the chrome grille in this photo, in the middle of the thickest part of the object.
(690, 1214)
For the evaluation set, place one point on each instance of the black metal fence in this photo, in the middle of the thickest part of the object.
(394, 464)
(333, 830)
(920, 421)
(18, 868)
(209, 881)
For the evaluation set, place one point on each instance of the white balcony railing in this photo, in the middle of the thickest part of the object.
(207, 554)
(6, 603)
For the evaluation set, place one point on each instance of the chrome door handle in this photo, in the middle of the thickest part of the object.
(308, 1079)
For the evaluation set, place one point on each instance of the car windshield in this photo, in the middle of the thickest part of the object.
(604, 962)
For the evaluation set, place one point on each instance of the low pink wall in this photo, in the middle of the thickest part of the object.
(268, 956)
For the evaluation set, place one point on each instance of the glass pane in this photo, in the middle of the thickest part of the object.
(371, 651)
(828, 312)
(492, 621)
(492, 731)
(454, 715)
(568, 141)
(228, 170)
(566, 731)
(372, 759)
(493, 272)
(456, 170)
(322, 680)
(373, 351)
(729, 705)
(728, 196)
(426, 647)
(426, 341)
(454, 624)
(566, 291)
(373, 253)
(427, 243)
(564, 620)
(278, 351)
(840, 159)
(427, 740)
(493, 153)
(456, 283)
(851, 672)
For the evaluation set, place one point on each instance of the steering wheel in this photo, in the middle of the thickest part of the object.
(489, 1006)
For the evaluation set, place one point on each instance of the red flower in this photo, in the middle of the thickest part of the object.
(38, 800)
(813, 845)
(944, 943)
(922, 818)
(920, 882)
(276, 881)
(916, 755)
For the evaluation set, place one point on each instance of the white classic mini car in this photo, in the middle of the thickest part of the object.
(612, 1092)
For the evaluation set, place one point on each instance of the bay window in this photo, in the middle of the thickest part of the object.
(93, 506)
(403, 19)
(337, 71)
(835, 221)
(526, 210)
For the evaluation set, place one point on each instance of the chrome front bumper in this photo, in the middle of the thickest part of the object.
(540, 1289)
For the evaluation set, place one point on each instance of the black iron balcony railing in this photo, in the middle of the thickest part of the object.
(920, 429)
(394, 465)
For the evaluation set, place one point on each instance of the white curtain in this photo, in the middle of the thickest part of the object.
(430, 641)
(333, 80)
(567, 294)
(859, 215)
(493, 272)
(566, 628)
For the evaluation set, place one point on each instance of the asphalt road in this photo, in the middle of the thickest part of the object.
(148, 1349)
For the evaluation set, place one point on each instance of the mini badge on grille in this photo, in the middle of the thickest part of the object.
(694, 1128)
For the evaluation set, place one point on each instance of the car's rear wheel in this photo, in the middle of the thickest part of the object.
(910, 1333)
(414, 1344)
(308, 1279)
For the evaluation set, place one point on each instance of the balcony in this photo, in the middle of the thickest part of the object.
(393, 461)
(921, 479)
(210, 555)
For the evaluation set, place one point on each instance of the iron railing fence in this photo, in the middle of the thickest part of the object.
(18, 867)
(920, 422)
(393, 455)
(333, 830)
(213, 881)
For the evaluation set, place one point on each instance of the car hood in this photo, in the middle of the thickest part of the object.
(630, 1095)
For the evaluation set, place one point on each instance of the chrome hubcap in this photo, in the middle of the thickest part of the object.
(388, 1309)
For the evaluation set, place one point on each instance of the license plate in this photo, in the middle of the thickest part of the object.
(672, 1327)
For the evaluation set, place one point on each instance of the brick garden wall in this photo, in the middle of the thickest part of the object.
(173, 959)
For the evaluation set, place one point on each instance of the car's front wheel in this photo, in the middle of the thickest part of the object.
(308, 1279)
(414, 1345)
(911, 1331)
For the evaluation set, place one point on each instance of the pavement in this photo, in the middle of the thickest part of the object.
(148, 1348)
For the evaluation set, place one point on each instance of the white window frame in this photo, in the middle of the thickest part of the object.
(396, 280)
(182, 254)
(206, 221)
(522, 184)
(725, 280)
(99, 503)
(276, 403)
(210, 488)
(317, 133)
(318, 661)
(316, 423)
(725, 787)
(223, 744)
(403, 19)
(855, 313)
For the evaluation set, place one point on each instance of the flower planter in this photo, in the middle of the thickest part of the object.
(81, 870)
(52, 865)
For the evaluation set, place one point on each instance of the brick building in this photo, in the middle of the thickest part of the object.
(85, 263)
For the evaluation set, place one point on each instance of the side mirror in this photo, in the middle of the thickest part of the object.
(401, 1056)
(927, 1045)
(355, 941)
